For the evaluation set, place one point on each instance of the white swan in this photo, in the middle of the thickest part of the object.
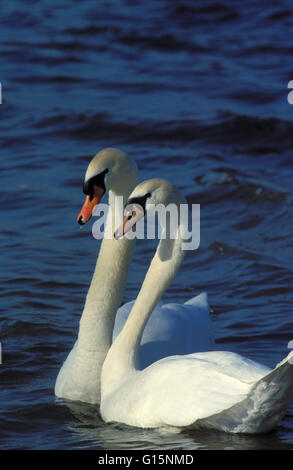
(79, 376)
(215, 389)
(172, 329)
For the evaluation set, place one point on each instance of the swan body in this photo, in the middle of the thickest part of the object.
(213, 389)
(218, 390)
(172, 328)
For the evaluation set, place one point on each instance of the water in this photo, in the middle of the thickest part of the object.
(197, 93)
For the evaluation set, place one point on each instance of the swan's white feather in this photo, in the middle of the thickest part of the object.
(79, 376)
(263, 407)
(214, 389)
(172, 329)
(220, 390)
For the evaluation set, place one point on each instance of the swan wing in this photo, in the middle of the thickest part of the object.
(172, 329)
(180, 390)
(218, 390)
(121, 317)
(265, 404)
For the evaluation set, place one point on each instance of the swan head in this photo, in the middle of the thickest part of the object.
(143, 198)
(109, 170)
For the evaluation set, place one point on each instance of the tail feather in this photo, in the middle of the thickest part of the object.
(265, 405)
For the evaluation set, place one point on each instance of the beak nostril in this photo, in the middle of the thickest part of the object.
(80, 220)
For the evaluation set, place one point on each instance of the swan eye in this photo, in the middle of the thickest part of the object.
(133, 214)
(97, 180)
(141, 200)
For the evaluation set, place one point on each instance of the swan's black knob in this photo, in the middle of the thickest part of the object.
(80, 220)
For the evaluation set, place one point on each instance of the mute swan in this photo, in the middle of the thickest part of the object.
(79, 376)
(214, 389)
(172, 329)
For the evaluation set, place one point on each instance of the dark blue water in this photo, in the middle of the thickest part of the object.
(197, 93)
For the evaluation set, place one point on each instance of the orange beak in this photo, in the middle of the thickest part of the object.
(88, 207)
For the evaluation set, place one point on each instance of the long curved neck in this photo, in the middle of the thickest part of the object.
(122, 356)
(107, 286)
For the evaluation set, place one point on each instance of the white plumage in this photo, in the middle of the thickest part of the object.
(213, 389)
(173, 329)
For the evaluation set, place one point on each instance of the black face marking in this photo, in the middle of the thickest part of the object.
(98, 180)
(141, 200)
